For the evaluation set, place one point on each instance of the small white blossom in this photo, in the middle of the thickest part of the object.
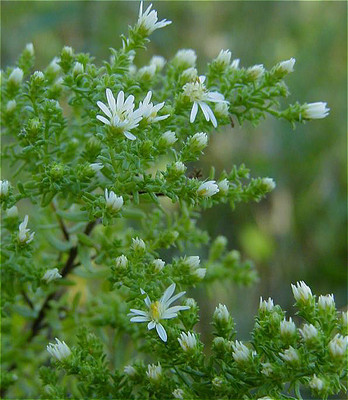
(290, 355)
(287, 328)
(154, 372)
(199, 141)
(235, 63)
(316, 110)
(269, 183)
(208, 189)
(302, 292)
(16, 76)
(287, 66)
(30, 48)
(169, 138)
(178, 394)
(179, 167)
(67, 51)
(78, 69)
(224, 58)
(338, 346)
(60, 350)
(223, 186)
(51, 275)
(221, 109)
(147, 72)
(266, 305)
(23, 232)
(192, 261)
(147, 20)
(240, 353)
(187, 341)
(267, 369)
(256, 71)
(158, 264)
(121, 261)
(129, 370)
(221, 313)
(54, 66)
(11, 105)
(38, 76)
(158, 310)
(121, 113)
(158, 61)
(326, 303)
(149, 111)
(189, 74)
(138, 244)
(199, 95)
(12, 212)
(4, 188)
(112, 201)
(199, 273)
(316, 383)
(185, 58)
(309, 332)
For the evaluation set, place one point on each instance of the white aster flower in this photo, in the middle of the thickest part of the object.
(266, 305)
(224, 58)
(208, 189)
(149, 111)
(223, 186)
(16, 76)
(316, 110)
(23, 232)
(269, 183)
(240, 353)
(147, 20)
(287, 328)
(235, 63)
(338, 346)
(60, 350)
(309, 332)
(178, 394)
(158, 61)
(11, 105)
(129, 370)
(302, 292)
(256, 71)
(169, 138)
(185, 58)
(4, 187)
(187, 341)
(199, 95)
(121, 261)
(112, 201)
(51, 275)
(316, 383)
(326, 303)
(287, 66)
(221, 313)
(290, 355)
(121, 114)
(158, 264)
(138, 244)
(158, 310)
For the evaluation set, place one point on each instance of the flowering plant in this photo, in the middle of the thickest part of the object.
(96, 152)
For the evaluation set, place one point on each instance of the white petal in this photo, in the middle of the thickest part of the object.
(129, 102)
(105, 110)
(204, 108)
(138, 312)
(139, 319)
(202, 78)
(147, 98)
(161, 332)
(212, 117)
(111, 100)
(176, 297)
(129, 135)
(161, 117)
(151, 325)
(103, 119)
(168, 293)
(120, 100)
(193, 112)
(175, 309)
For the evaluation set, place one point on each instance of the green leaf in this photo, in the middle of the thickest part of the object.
(59, 244)
(73, 216)
(86, 240)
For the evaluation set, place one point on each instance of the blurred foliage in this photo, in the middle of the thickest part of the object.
(300, 231)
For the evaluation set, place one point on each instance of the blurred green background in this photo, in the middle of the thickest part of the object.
(299, 231)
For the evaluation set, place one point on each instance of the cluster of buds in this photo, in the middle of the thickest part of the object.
(193, 263)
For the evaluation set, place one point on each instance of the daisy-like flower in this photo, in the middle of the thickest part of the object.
(199, 95)
(120, 113)
(208, 189)
(149, 111)
(60, 350)
(158, 310)
(316, 110)
(147, 20)
(51, 275)
(23, 232)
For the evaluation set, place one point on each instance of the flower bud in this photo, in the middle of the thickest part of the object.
(287, 328)
(112, 201)
(285, 67)
(147, 73)
(51, 275)
(266, 305)
(178, 394)
(158, 264)
(198, 141)
(269, 184)
(221, 110)
(316, 384)
(188, 75)
(187, 341)
(302, 292)
(154, 372)
(290, 355)
(4, 188)
(29, 49)
(338, 346)
(121, 262)
(129, 370)
(60, 350)
(158, 61)
(16, 77)
(138, 244)
(208, 189)
(78, 69)
(223, 186)
(316, 110)
(223, 60)
(217, 248)
(309, 332)
(168, 138)
(326, 303)
(267, 369)
(241, 353)
(235, 63)
(185, 58)
(256, 72)
(221, 314)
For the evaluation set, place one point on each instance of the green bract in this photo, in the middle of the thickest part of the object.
(99, 156)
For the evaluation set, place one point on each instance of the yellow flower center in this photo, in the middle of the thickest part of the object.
(155, 310)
